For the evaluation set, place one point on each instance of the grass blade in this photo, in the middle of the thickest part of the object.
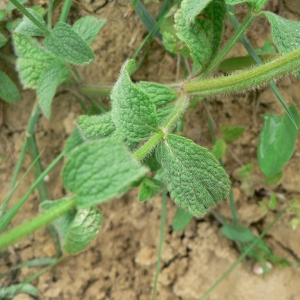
(161, 239)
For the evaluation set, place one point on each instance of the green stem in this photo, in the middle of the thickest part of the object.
(30, 17)
(5, 220)
(167, 127)
(33, 151)
(96, 90)
(249, 249)
(65, 11)
(14, 177)
(49, 14)
(257, 59)
(161, 239)
(245, 80)
(144, 151)
(21, 231)
(233, 208)
(240, 31)
(179, 110)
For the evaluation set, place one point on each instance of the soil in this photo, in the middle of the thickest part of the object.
(120, 263)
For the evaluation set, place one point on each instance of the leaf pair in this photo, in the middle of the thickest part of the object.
(45, 69)
(137, 109)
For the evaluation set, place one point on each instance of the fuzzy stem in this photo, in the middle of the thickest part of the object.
(21, 231)
(245, 80)
(30, 17)
(144, 151)
(65, 11)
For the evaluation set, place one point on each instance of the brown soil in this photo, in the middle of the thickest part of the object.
(120, 263)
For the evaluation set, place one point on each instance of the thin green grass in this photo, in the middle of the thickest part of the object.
(161, 240)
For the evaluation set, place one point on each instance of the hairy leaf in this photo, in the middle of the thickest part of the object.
(159, 94)
(202, 34)
(232, 133)
(73, 141)
(32, 61)
(8, 90)
(50, 79)
(88, 28)
(133, 112)
(196, 179)
(82, 230)
(181, 219)
(95, 127)
(285, 33)
(27, 27)
(164, 112)
(99, 170)
(277, 142)
(76, 229)
(150, 187)
(219, 149)
(65, 43)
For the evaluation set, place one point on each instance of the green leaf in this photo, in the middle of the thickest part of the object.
(3, 40)
(152, 163)
(88, 28)
(256, 5)
(202, 34)
(32, 61)
(219, 149)
(150, 187)
(238, 233)
(8, 90)
(181, 219)
(232, 133)
(76, 229)
(285, 33)
(164, 112)
(95, 127)
(274, 179)
(62, 223)
(73, 141)
(10, 6)
(49, 80)
(65, 43)
(159, 94)
(245, 171)
(133, 112)
(195, 178)
(170, 39)
(267, 48)
(13, 290)
(27, 27)
(99, 170)
(82, 230)
(273, 202)
(277, 142)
